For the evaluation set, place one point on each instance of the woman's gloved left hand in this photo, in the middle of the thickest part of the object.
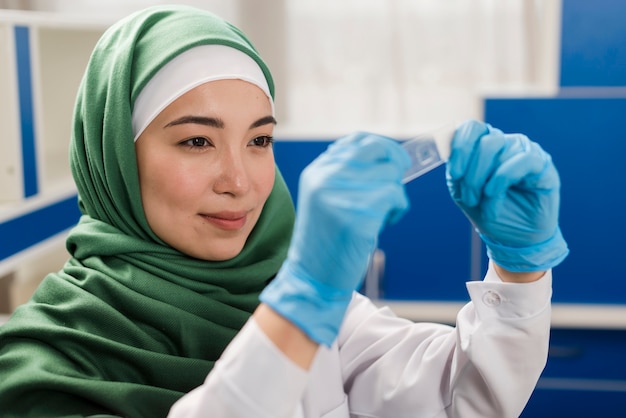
(509, 188)
(345, 198)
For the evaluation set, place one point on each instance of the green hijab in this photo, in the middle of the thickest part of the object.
(130, 324)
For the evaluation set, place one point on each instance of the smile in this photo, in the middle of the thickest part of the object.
(226, 221)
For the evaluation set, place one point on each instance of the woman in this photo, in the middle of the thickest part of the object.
(185, 226)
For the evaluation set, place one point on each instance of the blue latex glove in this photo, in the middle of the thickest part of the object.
(345, 198)
(509, 189)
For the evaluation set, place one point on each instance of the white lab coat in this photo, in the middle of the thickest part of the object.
(385, 366)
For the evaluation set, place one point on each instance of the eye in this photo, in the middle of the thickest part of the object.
(262, 141)
(196, 142)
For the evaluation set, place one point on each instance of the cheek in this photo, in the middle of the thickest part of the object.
(166, 186)
(266, 180)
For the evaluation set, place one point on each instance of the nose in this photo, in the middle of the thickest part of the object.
(232, 175)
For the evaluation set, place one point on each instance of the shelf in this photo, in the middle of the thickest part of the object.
(564, 315)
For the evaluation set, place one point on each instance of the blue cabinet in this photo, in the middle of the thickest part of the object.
(585, 136)
(585, 376)
(582, 128)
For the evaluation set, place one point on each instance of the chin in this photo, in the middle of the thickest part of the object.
(210, 249)
(222, 255)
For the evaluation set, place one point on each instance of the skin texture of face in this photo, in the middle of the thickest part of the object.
(206, 168)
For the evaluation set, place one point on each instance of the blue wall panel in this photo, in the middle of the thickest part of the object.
(26, 106)
(428, 253)
(593, 43)
(586, 139)
(293, 156)
(22, 232)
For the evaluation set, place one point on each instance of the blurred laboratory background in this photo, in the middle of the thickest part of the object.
(554, 70)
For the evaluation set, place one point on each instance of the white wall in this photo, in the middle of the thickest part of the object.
(394, 66)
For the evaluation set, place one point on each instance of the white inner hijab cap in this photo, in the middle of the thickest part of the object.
(190, 69)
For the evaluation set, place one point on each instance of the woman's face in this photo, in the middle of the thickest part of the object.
(206, 168)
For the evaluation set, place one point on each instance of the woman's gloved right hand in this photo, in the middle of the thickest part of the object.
(345, 198)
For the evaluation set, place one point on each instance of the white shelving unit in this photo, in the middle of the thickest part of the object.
(42, 59)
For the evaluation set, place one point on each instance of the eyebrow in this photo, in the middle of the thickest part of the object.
(217, 122)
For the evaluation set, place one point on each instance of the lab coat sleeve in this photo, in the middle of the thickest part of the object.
(486, 366)
(235, 388)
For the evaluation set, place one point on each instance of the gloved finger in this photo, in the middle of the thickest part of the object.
(383, 204)
(463, 143)
(374, 206)
(522, 169)
(548, 179)
(366, 156)
(372, 172)
(364, 146)
(389, 197)
(390, 160)
(481, 166)
(349, 173)
(398, 211)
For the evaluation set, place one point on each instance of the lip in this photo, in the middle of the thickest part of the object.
(229, 221)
